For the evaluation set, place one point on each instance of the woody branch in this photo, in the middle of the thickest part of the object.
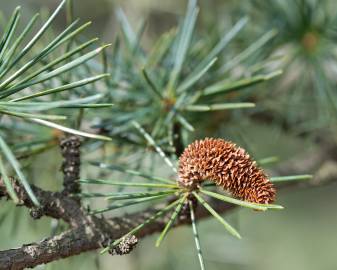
(88, 233)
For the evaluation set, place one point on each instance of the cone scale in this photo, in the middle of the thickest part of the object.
(228, 166)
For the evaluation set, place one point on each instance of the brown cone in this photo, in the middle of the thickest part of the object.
(228, 166)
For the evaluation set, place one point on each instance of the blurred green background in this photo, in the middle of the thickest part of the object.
(302, 237)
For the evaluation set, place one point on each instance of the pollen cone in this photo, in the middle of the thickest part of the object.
(228, 166)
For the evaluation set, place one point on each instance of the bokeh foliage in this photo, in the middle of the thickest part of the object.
(147, 75)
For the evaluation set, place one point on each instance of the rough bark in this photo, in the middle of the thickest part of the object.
(70, 150)
(91, 232)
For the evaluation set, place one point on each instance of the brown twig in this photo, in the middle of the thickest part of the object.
(90, 232)
(70, 149)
